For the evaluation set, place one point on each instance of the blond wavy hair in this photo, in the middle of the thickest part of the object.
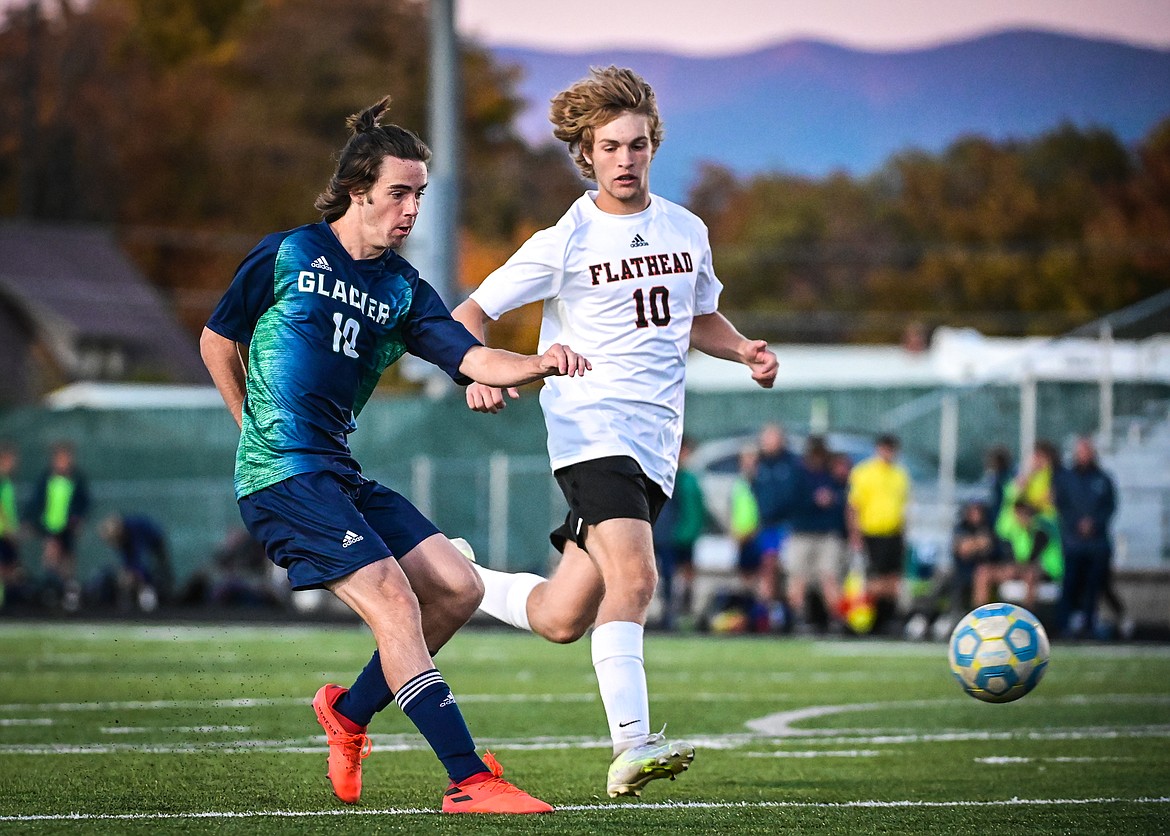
(596, 101)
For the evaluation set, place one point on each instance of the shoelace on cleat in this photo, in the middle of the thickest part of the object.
(349, 741)
(496, 784)
(493, 765)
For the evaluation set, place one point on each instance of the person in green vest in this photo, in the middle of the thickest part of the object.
(12, 575)
(57, 512)
(1036, 548)
(682, 519)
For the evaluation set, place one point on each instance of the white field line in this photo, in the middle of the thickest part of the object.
(1012, 760)
(175, 729)
(315, 745)
(269, 702)
(815, 753)
(781, 723)
(773, 730)
(599, 808)
(786, 717)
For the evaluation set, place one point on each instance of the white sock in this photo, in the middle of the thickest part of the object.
(505, 595)
(621, 677)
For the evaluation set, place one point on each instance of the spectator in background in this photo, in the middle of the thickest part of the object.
(997, 474)
(678, 526)
(143, 577)
(816, 547)
(1086, 500)
(975, 553)
(775, 485)
(1036, 551)
(57, 510)
(1032, 485)
(879, 492)
(12, 575)
(744, 517)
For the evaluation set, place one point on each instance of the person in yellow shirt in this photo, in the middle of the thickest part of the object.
(879, 491)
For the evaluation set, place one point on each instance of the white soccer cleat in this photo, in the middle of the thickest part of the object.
(657, 757)
(463, 546)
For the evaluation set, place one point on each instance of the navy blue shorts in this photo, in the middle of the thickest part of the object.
(323, 526)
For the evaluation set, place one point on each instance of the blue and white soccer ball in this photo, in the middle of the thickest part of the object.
(998, 652)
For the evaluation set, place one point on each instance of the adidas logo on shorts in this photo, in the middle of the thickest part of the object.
(321, 264)
(639, 241)
(350, 538)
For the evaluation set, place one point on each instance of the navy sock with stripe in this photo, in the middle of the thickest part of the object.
(368, 695)
(427, 701)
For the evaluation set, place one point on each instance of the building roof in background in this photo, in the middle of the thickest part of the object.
(78, 287)
(956, 357)
(133, 396)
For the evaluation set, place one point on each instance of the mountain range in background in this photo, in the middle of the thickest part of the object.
(809, 107)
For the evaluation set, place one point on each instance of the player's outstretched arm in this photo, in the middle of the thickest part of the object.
(497, 367)
(713, 334)
(223, 361)
(481, 398)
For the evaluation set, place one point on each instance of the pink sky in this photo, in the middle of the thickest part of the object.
(724, 26)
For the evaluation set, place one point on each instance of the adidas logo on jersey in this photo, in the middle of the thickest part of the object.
(639, 241)
(321, 264)
(350, 538)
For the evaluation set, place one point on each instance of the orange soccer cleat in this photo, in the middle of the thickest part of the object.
(346, 750)
(491, 795)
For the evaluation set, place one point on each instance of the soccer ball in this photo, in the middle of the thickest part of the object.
(998, 652)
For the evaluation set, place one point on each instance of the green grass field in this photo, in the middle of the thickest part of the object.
(111, 728)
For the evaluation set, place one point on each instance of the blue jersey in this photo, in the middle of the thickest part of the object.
(321, 328)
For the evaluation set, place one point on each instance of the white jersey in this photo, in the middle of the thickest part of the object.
(622, 290)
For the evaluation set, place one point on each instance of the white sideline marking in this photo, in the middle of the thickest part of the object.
(413, 743)
(25, 721)
(269, 702)
(1006, 759)
(780, 723)
(144, 705)
(828, 753)
(596, 808)
(174, 729)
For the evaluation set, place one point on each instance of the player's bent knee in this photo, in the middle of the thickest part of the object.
(465, 599)
(563, 632)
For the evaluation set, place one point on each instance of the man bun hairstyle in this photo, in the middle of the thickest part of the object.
(358, 164)
(597, 100)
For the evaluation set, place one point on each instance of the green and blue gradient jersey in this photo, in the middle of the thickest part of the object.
(321, 328)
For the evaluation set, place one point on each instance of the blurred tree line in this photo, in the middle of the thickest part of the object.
(196, 126)
(1029, 236)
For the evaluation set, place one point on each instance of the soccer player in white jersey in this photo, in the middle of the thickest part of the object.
(627, 277)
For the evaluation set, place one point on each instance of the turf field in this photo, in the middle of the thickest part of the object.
(112, 728)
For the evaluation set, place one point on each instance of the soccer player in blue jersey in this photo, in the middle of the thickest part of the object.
(322, 311)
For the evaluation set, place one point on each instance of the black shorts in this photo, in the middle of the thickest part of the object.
(884, 555)
(9, 555)
(609, 488)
